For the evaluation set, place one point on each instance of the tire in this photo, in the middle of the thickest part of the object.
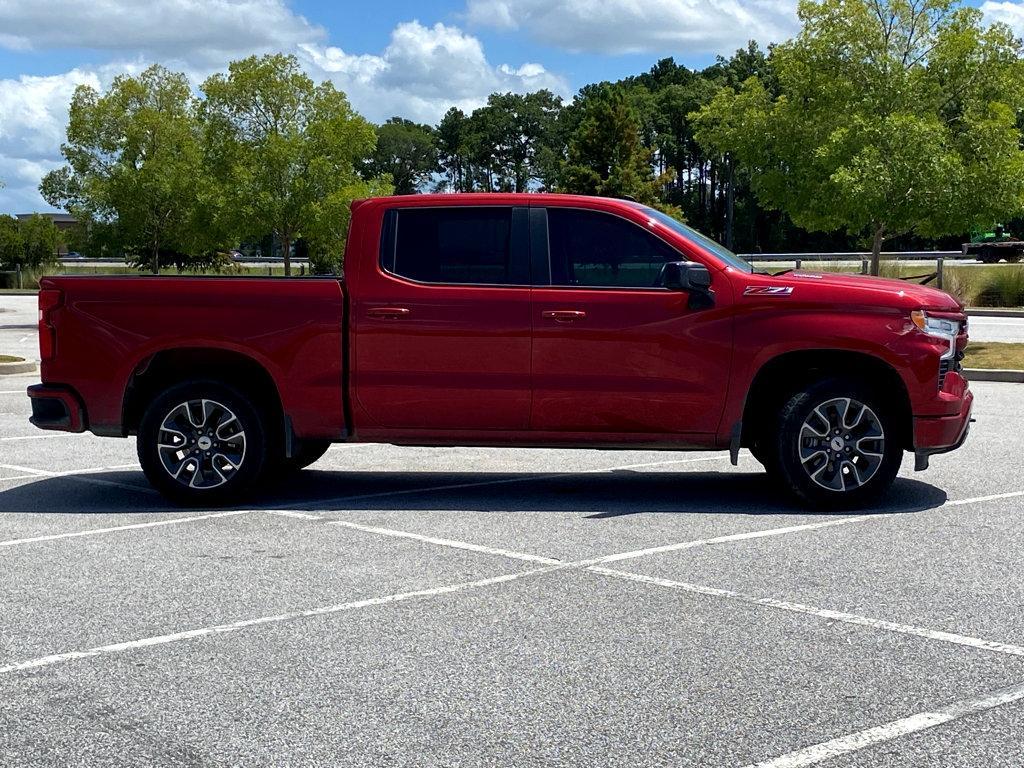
(305, 453)
(804, 447)
(201, 415)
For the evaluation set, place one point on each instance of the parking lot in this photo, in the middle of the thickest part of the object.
(477, 607)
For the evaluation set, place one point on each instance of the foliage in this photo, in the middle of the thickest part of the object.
(606, 154)
(134, 167)
(283, 149)
(1002, 287)
(407, 152)
(508, 145)
(40, 240)
(893, 116)
(31, 243)
(11, 250)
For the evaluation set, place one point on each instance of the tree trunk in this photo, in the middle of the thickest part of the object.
(876, 249)
(730, 202)
(286, 249)
(156, 257)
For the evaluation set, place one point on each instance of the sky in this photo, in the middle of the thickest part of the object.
(392, 57)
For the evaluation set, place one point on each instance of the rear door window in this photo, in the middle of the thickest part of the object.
(477, 245)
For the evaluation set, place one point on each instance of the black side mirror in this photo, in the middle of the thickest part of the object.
(686, 276)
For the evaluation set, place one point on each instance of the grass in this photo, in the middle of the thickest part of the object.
(994, 285)
(10, 359)
(1003, 355)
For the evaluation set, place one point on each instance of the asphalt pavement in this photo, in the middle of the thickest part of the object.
(506, 607)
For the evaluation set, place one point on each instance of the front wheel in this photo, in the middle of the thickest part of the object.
(836, 445)
(202, 443)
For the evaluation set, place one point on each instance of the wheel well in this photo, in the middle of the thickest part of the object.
(784, 375)
(169, 367)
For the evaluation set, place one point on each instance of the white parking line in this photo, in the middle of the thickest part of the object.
(850, 743)
(829, 614)
(43, 436)
(976, 500)
(55, 659)
(80, 475)
(147, 525)
(594, 565)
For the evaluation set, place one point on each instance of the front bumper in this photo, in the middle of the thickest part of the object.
(937, 435)
(55, 407)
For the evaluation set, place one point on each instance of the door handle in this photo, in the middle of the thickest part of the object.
(564, 316)
(388, 313)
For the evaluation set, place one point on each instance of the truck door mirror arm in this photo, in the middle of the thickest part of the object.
(692, 277)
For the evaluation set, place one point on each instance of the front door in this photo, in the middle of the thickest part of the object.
(614, 352)
(442, 323)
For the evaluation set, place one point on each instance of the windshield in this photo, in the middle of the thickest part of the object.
(703, 241)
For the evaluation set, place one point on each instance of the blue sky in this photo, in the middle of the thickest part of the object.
(391, 57)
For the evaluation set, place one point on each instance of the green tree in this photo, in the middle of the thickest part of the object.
(281, 146)
(406, 151)
(134, 164)
(606, 154)
(40, 240)
(452, 150)
(511, 135)
(892, 116)
(11, 247)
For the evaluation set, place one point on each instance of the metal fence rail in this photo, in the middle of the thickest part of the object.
(864, 257)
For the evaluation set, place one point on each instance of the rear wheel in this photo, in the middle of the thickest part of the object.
(835, 446)
(202, 443)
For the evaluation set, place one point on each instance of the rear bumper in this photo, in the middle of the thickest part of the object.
(55, 407)
(937, 435)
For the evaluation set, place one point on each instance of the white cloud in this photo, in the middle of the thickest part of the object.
(424, 71)
(33, 117)
(1009, 13)
(192, 32)
(420, 74)
(680, 27)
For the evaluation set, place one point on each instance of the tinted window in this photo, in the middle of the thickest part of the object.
(590, 248)
(454, 245)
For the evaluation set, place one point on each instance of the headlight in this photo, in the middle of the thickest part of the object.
(940, 328)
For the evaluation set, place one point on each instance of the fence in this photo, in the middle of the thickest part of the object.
(938, 257)
(16, 276)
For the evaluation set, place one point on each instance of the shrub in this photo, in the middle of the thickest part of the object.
(1003, 287)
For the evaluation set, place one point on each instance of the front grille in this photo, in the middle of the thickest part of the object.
(949, 364)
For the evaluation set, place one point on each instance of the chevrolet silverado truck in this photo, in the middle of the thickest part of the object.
(509, 320)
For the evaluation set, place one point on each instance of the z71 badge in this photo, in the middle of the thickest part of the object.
(767, 291)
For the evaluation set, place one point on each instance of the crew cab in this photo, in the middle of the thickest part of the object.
(509, 320)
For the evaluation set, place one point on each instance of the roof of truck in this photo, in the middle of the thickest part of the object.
(507, 198)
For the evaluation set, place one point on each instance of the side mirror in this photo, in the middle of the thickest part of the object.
(686, 276)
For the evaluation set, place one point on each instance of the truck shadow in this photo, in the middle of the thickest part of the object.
(595, 496)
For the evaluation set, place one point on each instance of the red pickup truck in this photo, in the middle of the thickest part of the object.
(509, 320)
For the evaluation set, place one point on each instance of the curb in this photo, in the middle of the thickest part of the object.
(993, 375)
(1006, 312)
(18, 367)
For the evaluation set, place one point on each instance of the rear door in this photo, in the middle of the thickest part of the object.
(442, 320)
(613, 351)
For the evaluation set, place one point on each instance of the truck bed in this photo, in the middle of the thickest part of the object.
(111, 329)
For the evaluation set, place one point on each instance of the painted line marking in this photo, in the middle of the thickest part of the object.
(850, 743)
(147, 525)
(829, 614)
(13, 392)
(976, 500)
(54, 659)
(594, 565)
(43, 436)
(82, 475)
